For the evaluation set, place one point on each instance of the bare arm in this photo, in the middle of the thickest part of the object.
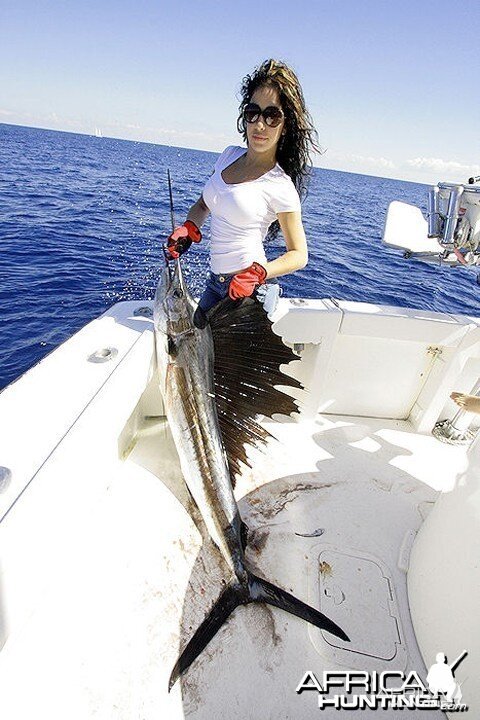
(296, 256)
(199, 212)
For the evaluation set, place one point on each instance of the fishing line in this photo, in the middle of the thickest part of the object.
(172, 213)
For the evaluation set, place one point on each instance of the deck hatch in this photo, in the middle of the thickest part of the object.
(357, 592)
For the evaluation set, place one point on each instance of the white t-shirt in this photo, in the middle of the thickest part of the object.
(242, 212)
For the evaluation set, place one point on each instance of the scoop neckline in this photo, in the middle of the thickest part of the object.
(245, 182)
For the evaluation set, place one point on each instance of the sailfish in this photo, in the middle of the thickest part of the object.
(217, 373)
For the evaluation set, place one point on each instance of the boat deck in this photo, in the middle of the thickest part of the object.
(332, 511)
(115, 572)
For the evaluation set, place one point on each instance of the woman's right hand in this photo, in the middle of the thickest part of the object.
(181, 238)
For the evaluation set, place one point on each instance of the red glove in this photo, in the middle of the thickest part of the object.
(181, 239)
(244, 283)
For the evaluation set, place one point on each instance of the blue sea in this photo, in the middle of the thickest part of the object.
(82, 221)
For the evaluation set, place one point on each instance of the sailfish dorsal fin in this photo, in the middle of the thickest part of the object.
(248, 355)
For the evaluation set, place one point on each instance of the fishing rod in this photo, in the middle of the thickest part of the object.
(172, 213)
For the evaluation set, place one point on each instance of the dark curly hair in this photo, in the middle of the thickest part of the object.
(301, 137)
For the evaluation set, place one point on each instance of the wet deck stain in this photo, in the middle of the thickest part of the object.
(257, 539)
(268, 630)
(284, 497)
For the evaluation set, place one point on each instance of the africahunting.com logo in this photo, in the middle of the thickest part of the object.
(395, 689)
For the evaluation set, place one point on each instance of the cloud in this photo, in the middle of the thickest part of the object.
(450, 168)
(356, 163)
(428, 170)
(371, 162)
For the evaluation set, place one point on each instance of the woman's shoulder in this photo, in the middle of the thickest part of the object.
(280, 179)
(279, 175)
(235, 150)
(229, 155)
(284, 195)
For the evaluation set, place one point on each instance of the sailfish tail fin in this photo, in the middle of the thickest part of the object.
(223, 608)
(263, 591)
(256, 590)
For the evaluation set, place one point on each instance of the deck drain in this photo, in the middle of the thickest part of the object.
(103, 355)
(144, 311)
(5, 477)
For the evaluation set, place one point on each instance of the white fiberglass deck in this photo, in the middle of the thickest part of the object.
(104, 575)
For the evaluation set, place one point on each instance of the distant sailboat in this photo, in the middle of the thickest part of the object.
(98, 132)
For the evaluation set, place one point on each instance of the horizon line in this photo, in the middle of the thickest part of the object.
(182, 147)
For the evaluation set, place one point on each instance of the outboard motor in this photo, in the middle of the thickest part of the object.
(451, 233)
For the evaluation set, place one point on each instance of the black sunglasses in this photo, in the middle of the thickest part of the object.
(272, 115)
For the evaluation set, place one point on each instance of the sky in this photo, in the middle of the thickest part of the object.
(393, 87)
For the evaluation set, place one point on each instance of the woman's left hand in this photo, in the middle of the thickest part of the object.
(244, 283)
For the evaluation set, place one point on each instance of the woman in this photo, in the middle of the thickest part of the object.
(254, 192)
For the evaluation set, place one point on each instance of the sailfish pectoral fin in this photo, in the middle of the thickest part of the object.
(256, 590)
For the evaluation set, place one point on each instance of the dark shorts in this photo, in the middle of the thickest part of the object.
(217, 288)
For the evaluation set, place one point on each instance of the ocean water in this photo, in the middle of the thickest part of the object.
(82, 221)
